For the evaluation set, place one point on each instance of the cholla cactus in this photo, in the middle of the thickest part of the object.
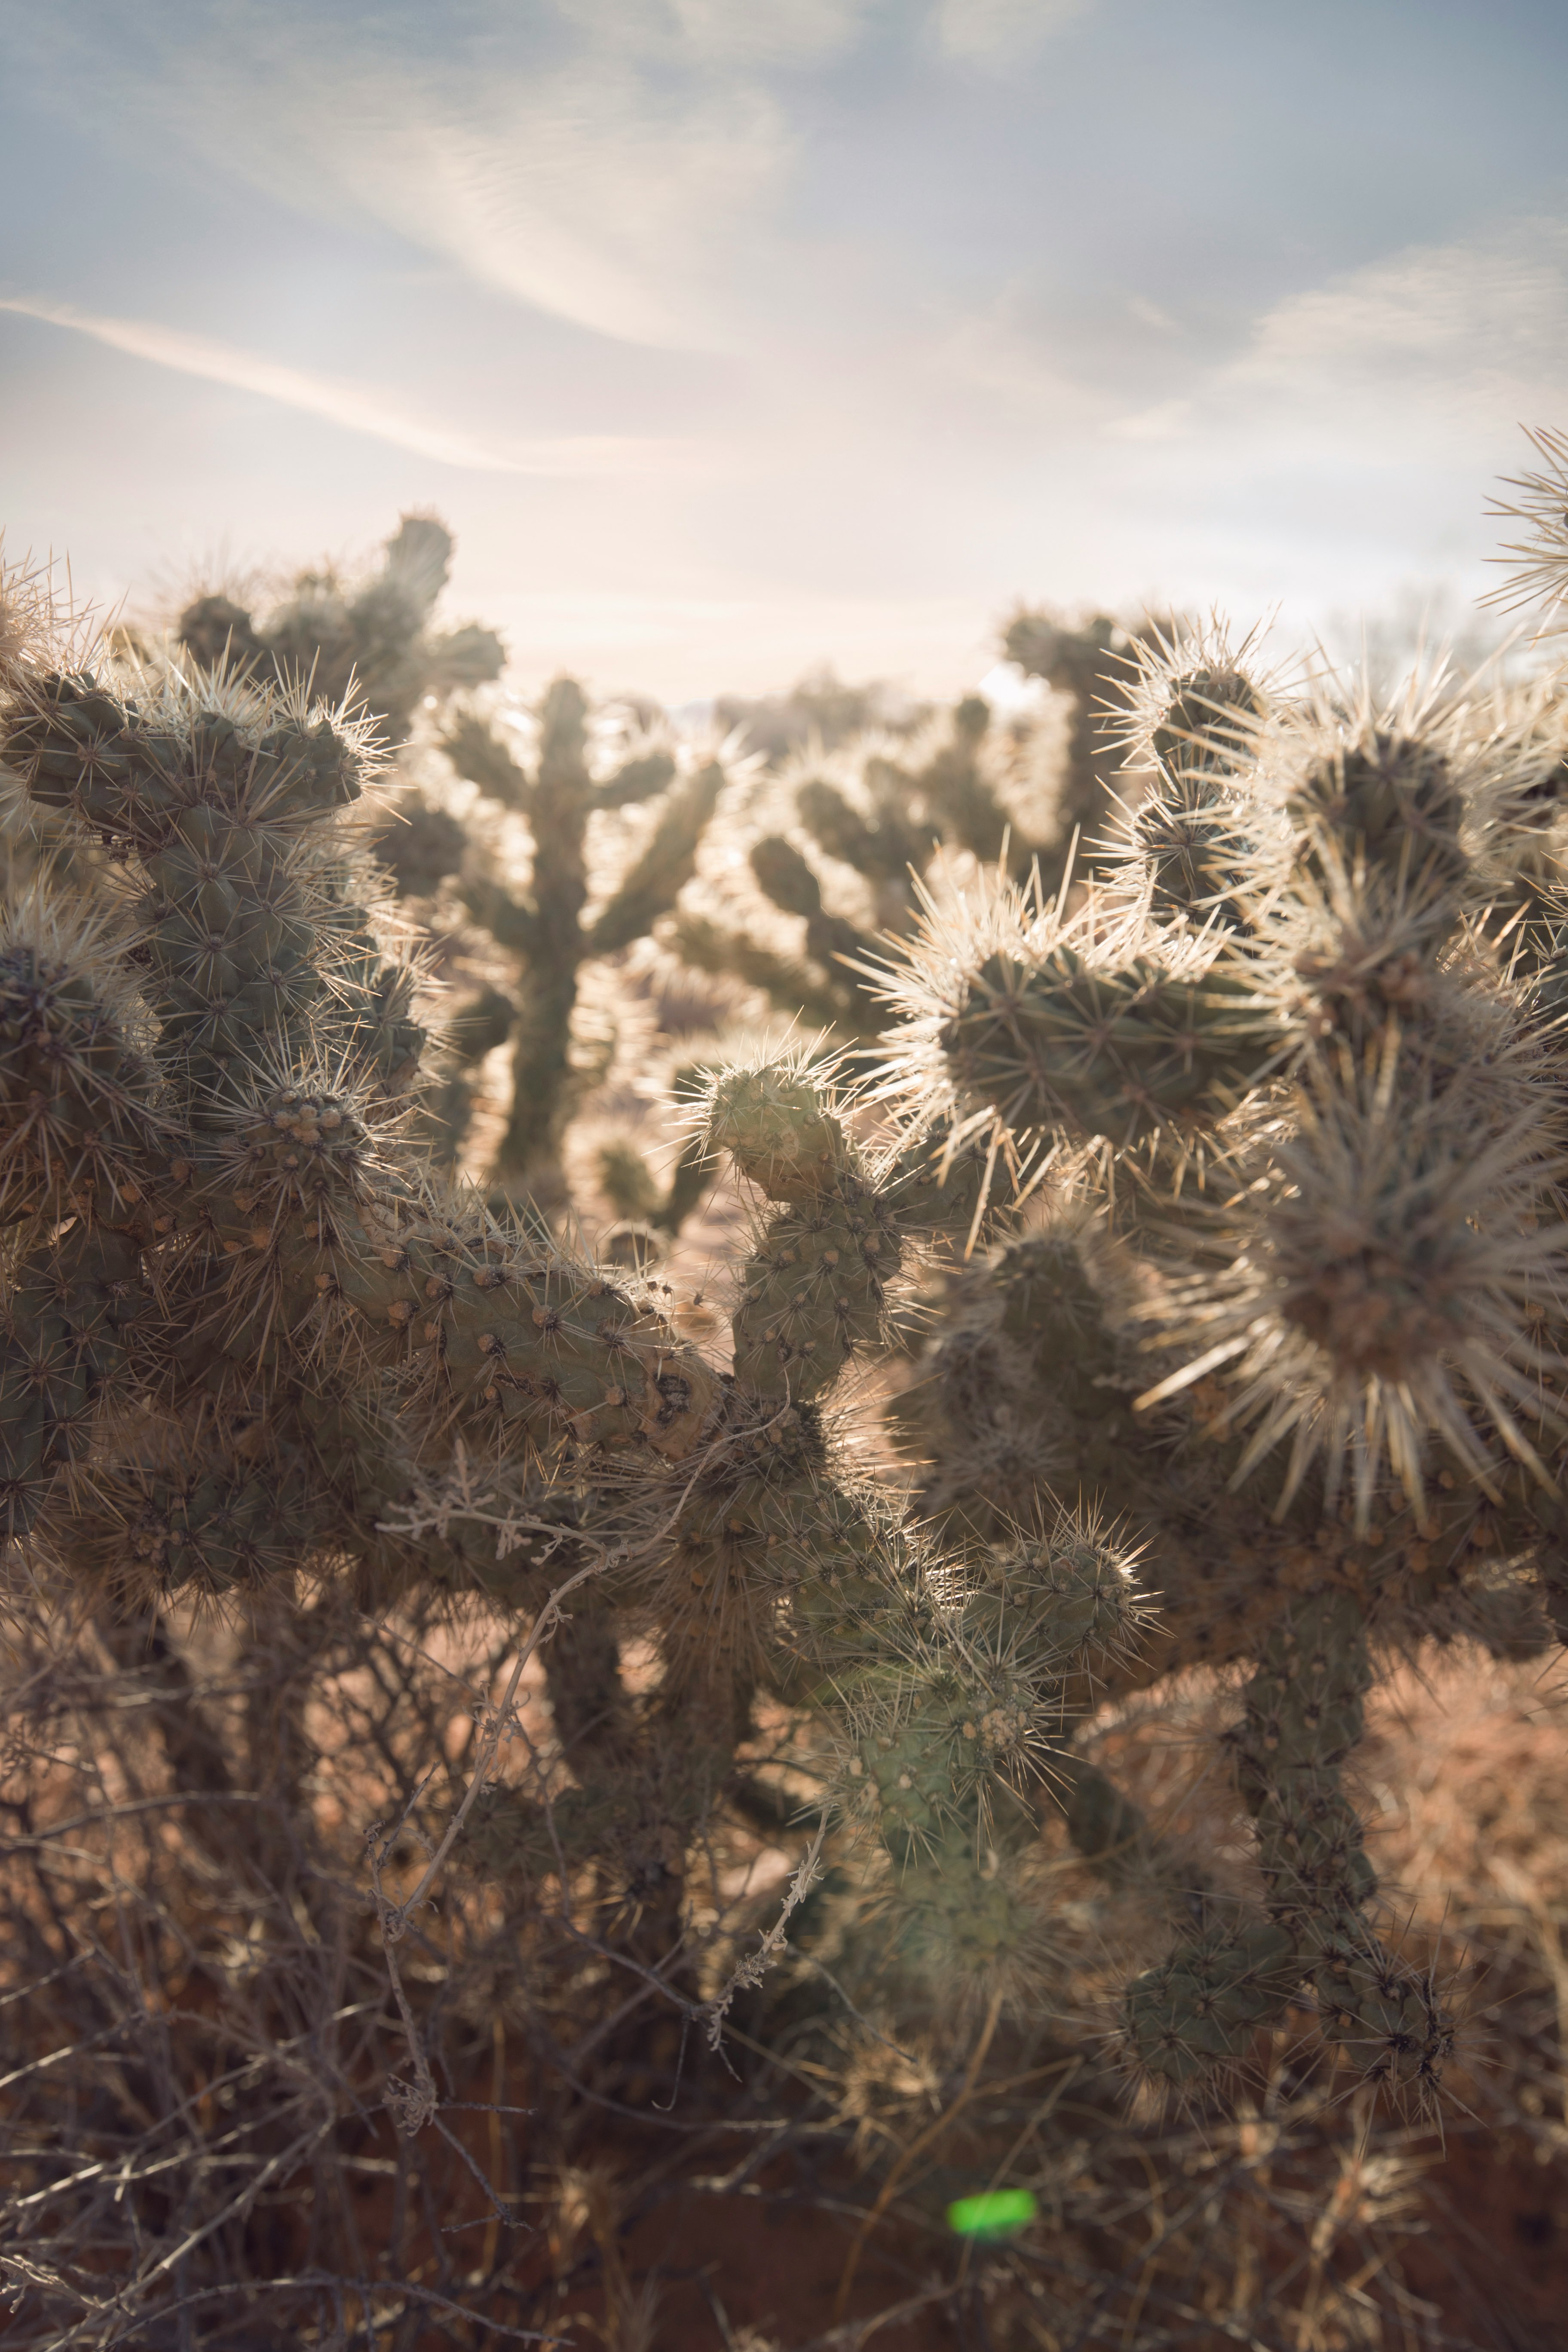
(1294, 1097)
(1538, 565)
(819, 711)
(373, 638)
(221, 1359)
(246, 1329)
(883, 810)
(1236, 1360)
(551, 928)
(1092, 663)
(248, 1333)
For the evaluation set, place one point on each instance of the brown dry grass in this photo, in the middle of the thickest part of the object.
(203, 2039)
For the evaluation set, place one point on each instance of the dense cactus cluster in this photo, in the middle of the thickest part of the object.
(861, 824)
(857, 822)
(228, 1276)
(1292, 1102)
(1197, 1236)
(372, 647)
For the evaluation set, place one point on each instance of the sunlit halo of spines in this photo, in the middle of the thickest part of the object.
(1051, 1114)
(1537, 565)
(1196, 702)
(1380, 1281)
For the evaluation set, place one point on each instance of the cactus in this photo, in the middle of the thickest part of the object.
(374, 641)
(247, 1329)
(1227, 1189)
(1096, 664)
(254, 1267)
(819, 711)
(372, 638)
(884, 811)
(1304, 1149)
(551, 930)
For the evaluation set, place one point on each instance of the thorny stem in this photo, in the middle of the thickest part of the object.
(412, 2107)
(755, 1966)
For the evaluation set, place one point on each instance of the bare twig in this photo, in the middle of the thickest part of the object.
(755, 1966)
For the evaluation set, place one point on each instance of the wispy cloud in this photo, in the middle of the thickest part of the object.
(1000, 32)
(355, 408)
(928, 301)
(610, 162)
(1421, 346)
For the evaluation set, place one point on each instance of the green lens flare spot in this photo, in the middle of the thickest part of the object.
(995, 2215)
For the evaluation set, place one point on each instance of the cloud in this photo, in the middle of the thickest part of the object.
(999, 32)
(611, 161)
(796, 33)
(353, 406)
(1449, 328)
(1421, 348)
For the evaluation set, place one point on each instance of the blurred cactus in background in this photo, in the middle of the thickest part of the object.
(371, 638)
(370, 646)
(818, 714)
(1167, 1315)
(555, 924)
(874, 815)
(870, 824)
(1090, 663)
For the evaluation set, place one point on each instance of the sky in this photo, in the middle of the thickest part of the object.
(736, 336)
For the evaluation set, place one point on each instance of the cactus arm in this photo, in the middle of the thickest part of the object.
(663, 869)
(478, 753)
(640, 778)
(791, 987)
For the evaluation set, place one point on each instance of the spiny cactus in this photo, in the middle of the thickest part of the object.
(550, 928)
(1303, 1136)
(1094, 663)
(1236, 1359)
(371, 638)
(246, 1330)
(254, 1288)
(1538, 565)
(883, 810)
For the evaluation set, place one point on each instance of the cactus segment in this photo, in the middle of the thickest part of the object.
(77, 1089)
(1064, 1040)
